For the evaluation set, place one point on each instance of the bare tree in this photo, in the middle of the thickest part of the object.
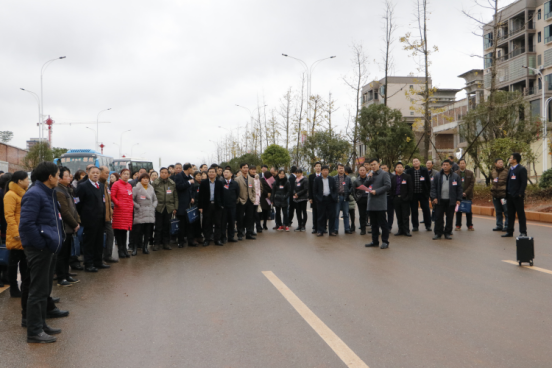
(285, 113)
(356, 81)
(389, 28)
(299, 107)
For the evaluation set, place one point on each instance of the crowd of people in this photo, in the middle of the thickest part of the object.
(55, 217)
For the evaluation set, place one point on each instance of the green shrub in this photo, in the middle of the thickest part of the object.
(546, 179)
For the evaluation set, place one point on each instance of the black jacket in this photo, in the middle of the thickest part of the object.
(194, 192)
(425, 182)
(311, 185)
(318, 189)
(301, 188)
(266, 189)
(205, 194)
(359, 194)
(407, 187)
(292, 178)
(230, 194)
(91, 205)
(455, 191)
(347, 185)
(280, 192)
(183, 188)
(517, 181)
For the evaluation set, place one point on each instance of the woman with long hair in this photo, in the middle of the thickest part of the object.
(301, 197)
(121, 195)
(266, 197)
(280, 193)
(112, 179)
(78, 177)
(153, 175)
(16, 188)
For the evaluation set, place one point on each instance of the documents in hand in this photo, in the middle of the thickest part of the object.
(270, 181)
(362, 187)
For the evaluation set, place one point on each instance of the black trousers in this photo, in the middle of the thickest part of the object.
(162, 227)
(390, 211)
(245, 218)
(402, 209)
(302, 217)
(516, 205)
(121, 238)
(143, 232)
(362, 214)
(278, 218)
(62, 267)
(212, 216)
(17, 259)
(443, 208)
(109, 235)
(314, 209)
(93, 243)
(257, 217)
(326, 212)
(352, 218)
(378, 219)
(291, 210)
(42, 265)
(185, 229)
(424, 204)
(469, 219)
(228, 222)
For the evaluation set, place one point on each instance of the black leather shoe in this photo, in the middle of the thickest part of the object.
(64, 283)
(398, 234)
(51, 331)
(448, 237)
(408, 234)
(319, 234)
(240, 237)
(57, 313)
(250, 237)
(218, 242)
(71, 274)
(259, 231)
(76, 266)
(371, 244)
(428, 229)
(206, 243)
(110, 260)
(314, 232)
(384, 245)
(362, 232)
(232, 240)
(507, 235)
(348, 232)
(437, 237)
(523, 235)
(414, 229)
(193, 244)
(72, 280)
(15, 292)
(102, 266)
(180, 245)
(333, 234)
(254, 233)
(497, 229)
(91, 269)
(56, 300)
(41, 338)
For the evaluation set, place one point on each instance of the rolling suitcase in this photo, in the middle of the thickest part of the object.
(525, 250)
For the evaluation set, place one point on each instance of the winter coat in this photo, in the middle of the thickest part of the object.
(247, 191)
(258, 189)
(381, 183)
(194, 193)
(145, 202)
(499, 177)
(69, 213)
(40, 226)
(301, 188)
(280, 192)
(266, 190)
(121, 195)
(346, 183)
(468, 182)
(359, 194)
(167, 198)
(12, 211)
(108, 202)
(455, 191)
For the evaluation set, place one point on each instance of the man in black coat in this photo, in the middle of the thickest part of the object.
(314, 207)
(230, 194)
(210, 204)
(291, 207)
(446, 194)
(515, 196)
(422, 186)
(325, 195)
(183, 180)
(91, 208)
(401, 193)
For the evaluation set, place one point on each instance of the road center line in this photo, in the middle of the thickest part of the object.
(530, 267)
(338, 346)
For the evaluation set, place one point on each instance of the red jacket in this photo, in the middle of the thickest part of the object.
(121, 195)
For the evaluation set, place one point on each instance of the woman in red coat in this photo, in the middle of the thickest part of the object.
(121, 195)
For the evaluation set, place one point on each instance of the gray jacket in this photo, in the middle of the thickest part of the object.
(381, 183)
(145, 202)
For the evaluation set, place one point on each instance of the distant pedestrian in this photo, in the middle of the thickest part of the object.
(244, 209)
(184, 180)
(325, 195)
(361, 197)
(344, 187)
(351, 198)
(515, 200)
(291, 206)
(499, 178)
(301, 198)
(379, 184)
(446, 194)
(468, 182)
(422, 188)
(312, 198)
(230, 195)
(258, 192)
(121, 195)
(390, 202)
(280, 195)
(266, 200)
(145, 202)
(210, 205)
(401, 193)
(167, 205)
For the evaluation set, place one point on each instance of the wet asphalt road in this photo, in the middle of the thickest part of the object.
(420, 303)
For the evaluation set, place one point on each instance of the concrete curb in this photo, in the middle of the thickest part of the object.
(531, 215)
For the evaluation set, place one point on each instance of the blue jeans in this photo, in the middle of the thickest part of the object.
(77, 243)
(499, 209)
(342, 205)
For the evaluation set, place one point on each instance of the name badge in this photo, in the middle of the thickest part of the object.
(198, 190)
(462, 180)
(76, 199)
(513, 177)
(142, 197)
(129, 192)
(495, 180)
(169, 191)
(250, 185)
(108, 190)
(370, 188)
(299, 184)
(281, 187)
(432, 178)
(104, 199)
(422, 178)
(403, 182)
(343, 183)
(226, 186)
(454, 183)
(59, 215)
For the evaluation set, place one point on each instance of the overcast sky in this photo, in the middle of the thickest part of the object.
(173, 71)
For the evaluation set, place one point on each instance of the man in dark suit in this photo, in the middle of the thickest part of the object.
(515, 196)
(422, 187)
(210, 205)
(183, 180)
(312, 200)
(292, 178)
(91, 208)
(325, 194)
(401, 193)
(230, 194)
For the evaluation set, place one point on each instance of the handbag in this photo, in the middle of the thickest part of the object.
(4, 255)
(193, 214)
(272, 214)
(465, 206)
(174, 225)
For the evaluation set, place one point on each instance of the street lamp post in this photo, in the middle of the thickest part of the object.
(309, 71)
(42, 70)
(121, 143)
(98, 125)
(544, 119)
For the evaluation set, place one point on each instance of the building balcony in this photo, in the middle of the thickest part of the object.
(513, 54)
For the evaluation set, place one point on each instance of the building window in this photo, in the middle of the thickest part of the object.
(547, 34)
(488, 40)
(539, 61)
(488, 60)
(411, 112)
(539, 37)
(411, 86)
(375, 95)
(547, 12)
(548, 81)
(539, 14)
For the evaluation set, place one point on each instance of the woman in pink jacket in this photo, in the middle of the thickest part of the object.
(121, 195)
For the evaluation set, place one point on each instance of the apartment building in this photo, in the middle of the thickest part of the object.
(524, 39)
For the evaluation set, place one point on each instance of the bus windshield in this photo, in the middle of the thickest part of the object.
(119, 165)
(137, 165)
(77, 163)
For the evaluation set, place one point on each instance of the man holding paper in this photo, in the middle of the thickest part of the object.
(379, 184)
